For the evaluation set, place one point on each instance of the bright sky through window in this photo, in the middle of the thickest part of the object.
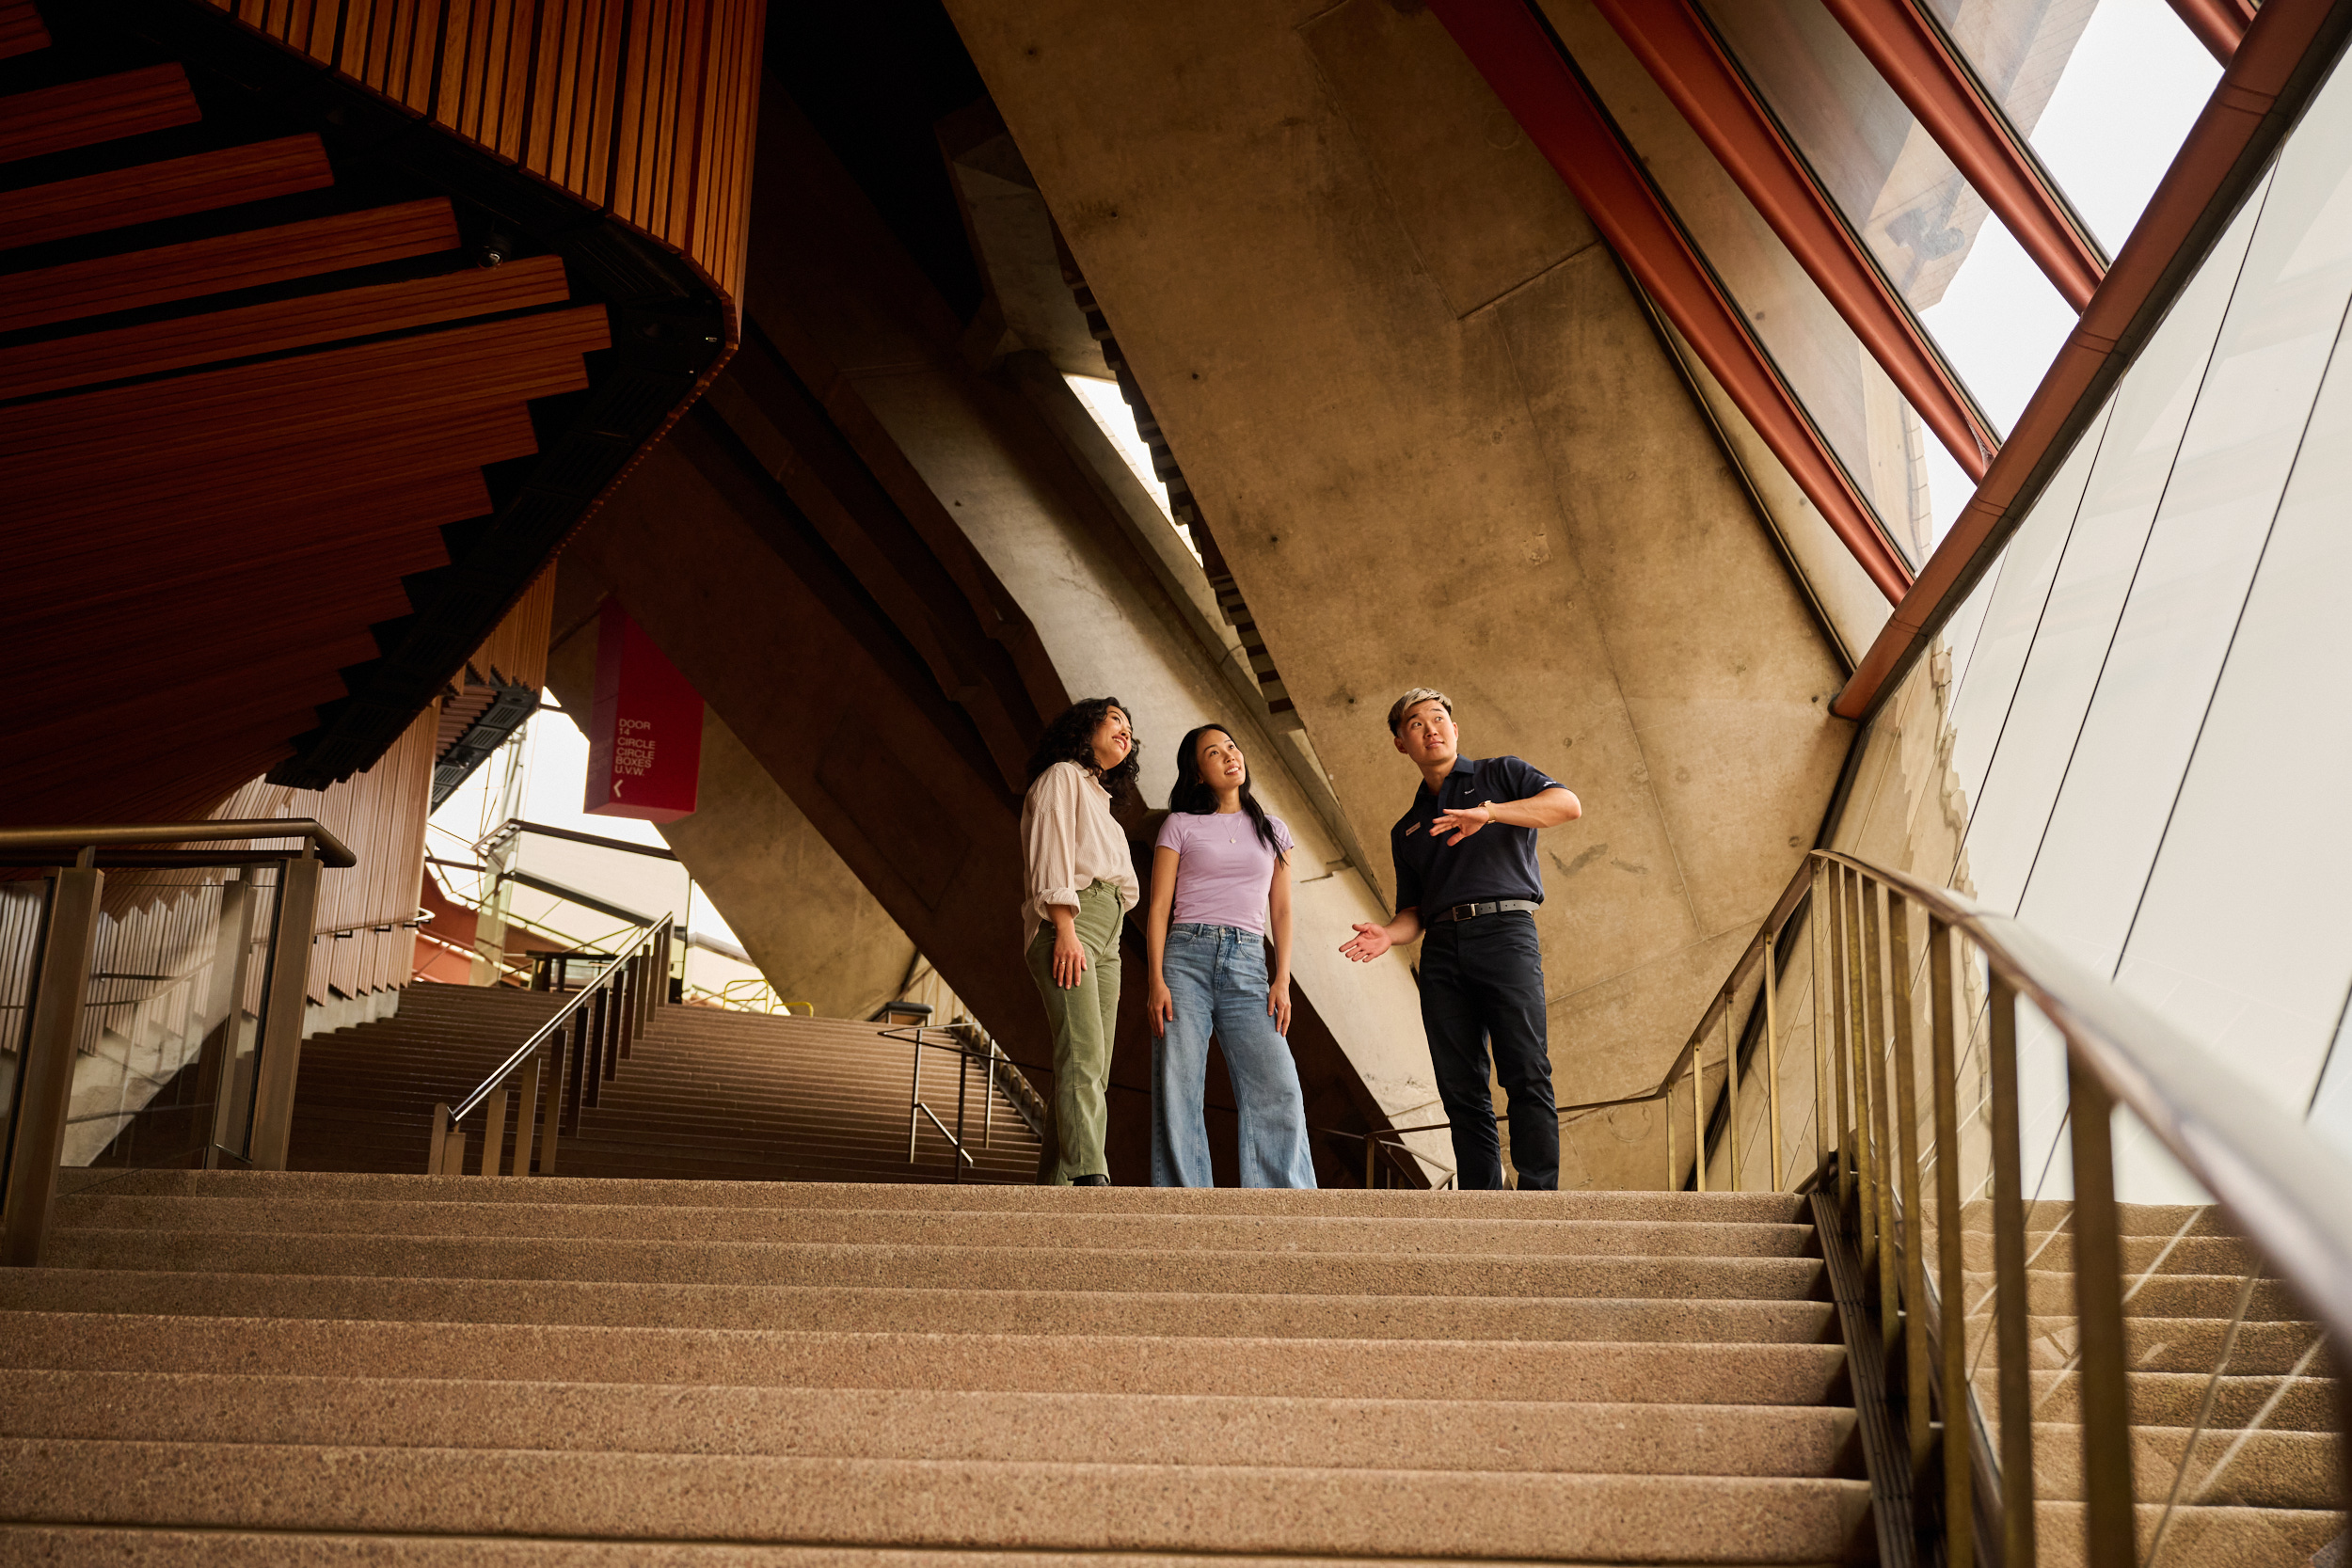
(2134, 85)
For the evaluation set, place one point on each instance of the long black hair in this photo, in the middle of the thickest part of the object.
(1194, 796)
(1071, 738)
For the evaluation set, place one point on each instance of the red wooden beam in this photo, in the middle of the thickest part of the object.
(1551, 103)
(1678, 49)
(2272, 76)
(2219, 25)
(1918, 63)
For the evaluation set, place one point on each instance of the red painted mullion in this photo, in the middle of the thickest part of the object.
(2219, 25)
(1678, 49)
(1918, 63)
(1551, 102)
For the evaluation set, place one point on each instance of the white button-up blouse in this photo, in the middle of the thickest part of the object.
(1070, 841)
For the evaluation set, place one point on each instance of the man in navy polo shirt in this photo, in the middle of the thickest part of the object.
(1466, 875)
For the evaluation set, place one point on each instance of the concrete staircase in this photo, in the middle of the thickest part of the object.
(705, 1094)
(2258, 1401)
(247, 1368)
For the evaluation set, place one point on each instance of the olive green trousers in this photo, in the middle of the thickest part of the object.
(1085, 1024)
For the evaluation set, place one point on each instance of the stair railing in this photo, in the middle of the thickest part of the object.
(60, 969)
(1946, 1038)
(561, 1067)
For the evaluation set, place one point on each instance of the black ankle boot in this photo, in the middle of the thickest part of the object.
(1090, 1180)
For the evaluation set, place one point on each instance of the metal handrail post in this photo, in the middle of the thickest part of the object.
(1771, 1058)
(1878, 1139)
(1844, 1016)
(1699, 1124)
(1858, 1048)
(552, 1118)
(283, 1000)
(591, 1018)
(914, 1096)
(1960, 1522)
(2106, 1418)
(526, 1105)
(964, 1083)
(1731, 1091)
(1916, 1379)
(625, 1007)
(1816, 921)
(2009, 1306)
(44, 1093)
(576, 1031)
(233, 959)
(493, 1133)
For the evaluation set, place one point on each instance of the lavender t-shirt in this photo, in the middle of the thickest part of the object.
(1225, 870)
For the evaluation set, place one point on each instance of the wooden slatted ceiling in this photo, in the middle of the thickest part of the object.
(160, 558)
(81, 114)
(166, 274)
(557, 85)
(200, 183)
(285, 323)
(197, 550)
(319, 474)
(21, 28)
(258, 407)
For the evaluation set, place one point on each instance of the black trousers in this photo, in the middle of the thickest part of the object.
(1482, 980)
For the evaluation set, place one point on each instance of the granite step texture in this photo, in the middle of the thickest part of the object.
(277, 1368)
(703, 1094)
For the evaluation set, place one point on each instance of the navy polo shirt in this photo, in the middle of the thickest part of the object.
(1495, 862)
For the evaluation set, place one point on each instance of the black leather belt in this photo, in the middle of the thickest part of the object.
(1471, 911)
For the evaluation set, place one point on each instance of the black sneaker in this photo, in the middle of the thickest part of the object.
(1090, 1180)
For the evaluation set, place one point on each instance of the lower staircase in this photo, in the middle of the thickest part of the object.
(705, 1094)
(2235, 1406)
(247, 1368)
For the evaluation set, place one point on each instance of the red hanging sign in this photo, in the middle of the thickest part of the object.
(645, 731)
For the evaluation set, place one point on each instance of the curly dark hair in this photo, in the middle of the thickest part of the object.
(1071, 738)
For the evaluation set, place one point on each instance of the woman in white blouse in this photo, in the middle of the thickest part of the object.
(1080, 883)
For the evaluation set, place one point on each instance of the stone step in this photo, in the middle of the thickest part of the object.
(74, 1546)
(1722, 1208)
(2238, 1537)
(935, 1424)
(2164, 1255)
(2269, 1469)
(1388, 1369)
(2173, 1400)
(940, 1504)
(1167, 1232)
(857, 1309)
(2194, 1344)
(2161, 1297)
(921, 1266)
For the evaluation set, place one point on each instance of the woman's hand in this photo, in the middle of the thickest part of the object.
(1277, 1005)
(1163, 1008)
(1070, 958)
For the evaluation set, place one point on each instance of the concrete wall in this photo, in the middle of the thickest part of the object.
(812, 927)
(1439, 442)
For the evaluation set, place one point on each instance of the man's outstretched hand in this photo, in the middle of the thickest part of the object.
(1368, 943)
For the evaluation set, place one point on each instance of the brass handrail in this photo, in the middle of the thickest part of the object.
(2284, 1189)
(1688, 1060)
(15, 842)
(602, 1020)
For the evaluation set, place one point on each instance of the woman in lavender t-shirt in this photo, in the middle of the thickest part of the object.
(1220, 888)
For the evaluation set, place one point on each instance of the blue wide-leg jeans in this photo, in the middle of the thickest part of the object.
(1216, 980)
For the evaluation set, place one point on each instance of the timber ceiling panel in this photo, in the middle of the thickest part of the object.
(229, 453)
